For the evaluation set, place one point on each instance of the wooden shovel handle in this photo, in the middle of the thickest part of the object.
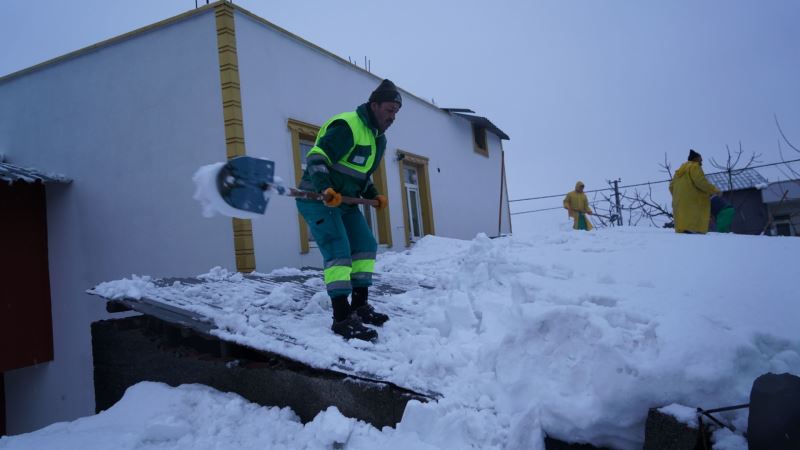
(321, 197)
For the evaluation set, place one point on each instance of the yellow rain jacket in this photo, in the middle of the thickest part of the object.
(691, 194)
(577, 202)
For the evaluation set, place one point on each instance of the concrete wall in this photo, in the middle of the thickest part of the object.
(128, 351)
(282, 78)
(129, 122)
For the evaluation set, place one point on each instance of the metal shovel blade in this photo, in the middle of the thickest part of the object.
(241, 183)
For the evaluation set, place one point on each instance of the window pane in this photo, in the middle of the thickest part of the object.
(371, 218)
(411, 176)
(305, 146)
(415, 232)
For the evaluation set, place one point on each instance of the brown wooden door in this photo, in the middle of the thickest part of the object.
(26, 328)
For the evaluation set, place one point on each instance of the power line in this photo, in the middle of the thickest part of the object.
(537, 210)
(647, 183)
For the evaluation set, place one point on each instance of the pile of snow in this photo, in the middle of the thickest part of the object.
(573, 335)
(192, 417)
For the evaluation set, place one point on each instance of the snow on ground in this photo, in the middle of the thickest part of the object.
(189, 417)
(571, 334)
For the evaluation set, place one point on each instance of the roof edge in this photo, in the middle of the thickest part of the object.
(482, 121)
(12, 173)
(321, 50)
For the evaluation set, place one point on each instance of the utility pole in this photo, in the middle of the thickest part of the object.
(616, 197)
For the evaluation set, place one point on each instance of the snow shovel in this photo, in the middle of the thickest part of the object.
(243, 182)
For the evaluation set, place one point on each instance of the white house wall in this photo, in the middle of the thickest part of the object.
(283, 77)
(129, 122)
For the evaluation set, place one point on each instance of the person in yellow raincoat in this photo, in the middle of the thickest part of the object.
(691, 196)
(577, 206)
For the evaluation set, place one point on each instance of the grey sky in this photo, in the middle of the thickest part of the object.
(587, 90)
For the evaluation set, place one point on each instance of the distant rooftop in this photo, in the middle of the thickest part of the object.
(10, 174)
(740, 179)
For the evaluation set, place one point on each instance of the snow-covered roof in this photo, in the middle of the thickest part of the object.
(569, 334)
(11, 173)
(282, 313)
(774, 193)
(740, 179)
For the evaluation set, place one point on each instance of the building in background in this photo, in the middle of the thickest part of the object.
(782, 199)
(130, 120)
(742, 189)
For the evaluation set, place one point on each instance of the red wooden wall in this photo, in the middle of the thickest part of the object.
(26, 329)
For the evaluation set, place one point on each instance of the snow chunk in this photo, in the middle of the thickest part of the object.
(125, 288)
(205, 181)
(682, 414)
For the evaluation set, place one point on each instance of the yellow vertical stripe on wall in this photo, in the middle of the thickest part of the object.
(234, 125)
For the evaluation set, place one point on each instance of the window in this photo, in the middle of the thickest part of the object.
(304, 136)
(305, 145)
(415, 188)
(414, 219)
(783, 225)
(372, 218)
(479, 140)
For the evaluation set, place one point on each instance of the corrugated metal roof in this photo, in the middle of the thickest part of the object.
(11, 173)
(478, 120)
(774, 193)
(740, 179)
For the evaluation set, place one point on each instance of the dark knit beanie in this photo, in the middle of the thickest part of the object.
(386, 92)
(693, 155)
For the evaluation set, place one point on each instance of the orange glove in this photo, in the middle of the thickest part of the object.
(331, 198)
(382, 202)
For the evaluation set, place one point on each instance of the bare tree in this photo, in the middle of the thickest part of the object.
(635, 207)
(788, 171)
(647, 207)
(666, 167)
(734, 164)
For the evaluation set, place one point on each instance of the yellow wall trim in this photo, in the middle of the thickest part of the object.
(420, 163)
(234, 123)
(301, 130)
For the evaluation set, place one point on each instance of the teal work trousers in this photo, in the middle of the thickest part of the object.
(347, 245)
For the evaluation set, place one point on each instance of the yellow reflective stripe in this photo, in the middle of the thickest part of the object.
(337, 273)
(364, 265)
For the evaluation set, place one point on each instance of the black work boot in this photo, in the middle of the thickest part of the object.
(365, 312)
(351, 327)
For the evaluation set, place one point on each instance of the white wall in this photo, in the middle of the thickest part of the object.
(283, 78)
(129, 123)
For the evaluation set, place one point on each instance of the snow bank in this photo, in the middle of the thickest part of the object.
(574, 335)
(193, 417)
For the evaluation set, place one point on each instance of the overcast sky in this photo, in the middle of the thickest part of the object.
(589, 90)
